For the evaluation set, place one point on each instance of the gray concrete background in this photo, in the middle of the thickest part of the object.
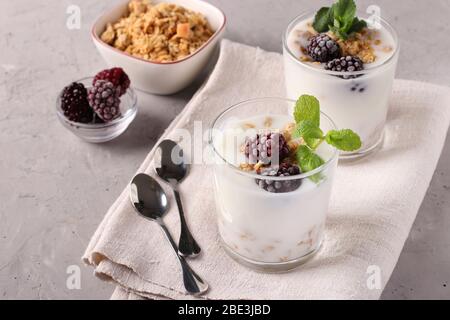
(55, 189)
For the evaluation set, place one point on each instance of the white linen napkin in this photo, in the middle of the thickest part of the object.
(373, 205)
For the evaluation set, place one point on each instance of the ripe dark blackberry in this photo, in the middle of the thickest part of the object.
(104, 99)
(75, 105)
(117, 76)
(97, 119)
(284, 170)
(345, 64)
(268, 148)
(322, 48)
(357, 87)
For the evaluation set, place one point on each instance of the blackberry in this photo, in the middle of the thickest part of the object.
(97, 119)
(322, 48)
(104, 99)
(357, 87)
(345, 64)
(284, 170)
(268, 148)
(75, 105)
(117, 76)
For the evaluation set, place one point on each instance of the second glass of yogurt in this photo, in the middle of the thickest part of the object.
(359, 99)
(269, 222)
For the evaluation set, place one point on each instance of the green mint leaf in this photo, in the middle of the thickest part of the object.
(308, 161)
(340, 28)
(344, 10)
(357, 25)
(312, 134)
(307, 108)
(345, 140)
(323, 19)
(316, 178)
(307, 129)
(337, 24)
(344, 20)
(340, 33)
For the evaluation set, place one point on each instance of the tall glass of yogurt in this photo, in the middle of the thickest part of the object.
(357, 100)
(265, 230)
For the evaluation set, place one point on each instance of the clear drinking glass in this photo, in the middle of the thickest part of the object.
(270, 232)
(359, 102)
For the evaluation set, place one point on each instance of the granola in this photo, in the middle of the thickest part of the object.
(359, 45)
(162, 32)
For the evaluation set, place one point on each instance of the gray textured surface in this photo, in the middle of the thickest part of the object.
(55, 189)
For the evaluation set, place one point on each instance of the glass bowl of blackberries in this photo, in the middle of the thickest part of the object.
(98, 109)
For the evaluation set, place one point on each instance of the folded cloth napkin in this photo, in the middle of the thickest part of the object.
(373, 205)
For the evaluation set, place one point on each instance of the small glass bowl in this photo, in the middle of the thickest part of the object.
(101, 132)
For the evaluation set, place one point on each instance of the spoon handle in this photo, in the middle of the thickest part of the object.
(192, 282)
(187, 246)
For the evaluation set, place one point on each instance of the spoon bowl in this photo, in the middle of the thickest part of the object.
(147, 197)
(171, 166)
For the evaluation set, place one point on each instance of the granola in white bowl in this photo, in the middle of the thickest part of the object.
(161, 32)
(165, 54)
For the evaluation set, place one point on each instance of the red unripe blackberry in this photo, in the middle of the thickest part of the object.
(116, 76)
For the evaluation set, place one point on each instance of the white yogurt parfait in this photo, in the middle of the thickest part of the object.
(271, 208)
(351, 76)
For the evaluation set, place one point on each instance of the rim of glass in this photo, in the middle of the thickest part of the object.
(129, 113)
(311, 13)
(254, 175)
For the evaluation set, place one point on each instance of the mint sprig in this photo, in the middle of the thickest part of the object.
(307, 108)
(307, 117)
(311, 133)
(324, 17)
(308, 160)
(339, 18)
(307, 129)
(345, 140)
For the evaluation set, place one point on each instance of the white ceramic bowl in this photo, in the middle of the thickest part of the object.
(156, 77)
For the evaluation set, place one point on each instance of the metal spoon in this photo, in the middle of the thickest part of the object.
(150, 201)
(172, 168)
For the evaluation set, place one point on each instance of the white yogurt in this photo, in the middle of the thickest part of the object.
(360, 104)
(259, 225)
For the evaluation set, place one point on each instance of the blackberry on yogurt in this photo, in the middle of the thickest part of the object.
(322, 48)
(266, 148)
(345, 64)
(284, 170)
